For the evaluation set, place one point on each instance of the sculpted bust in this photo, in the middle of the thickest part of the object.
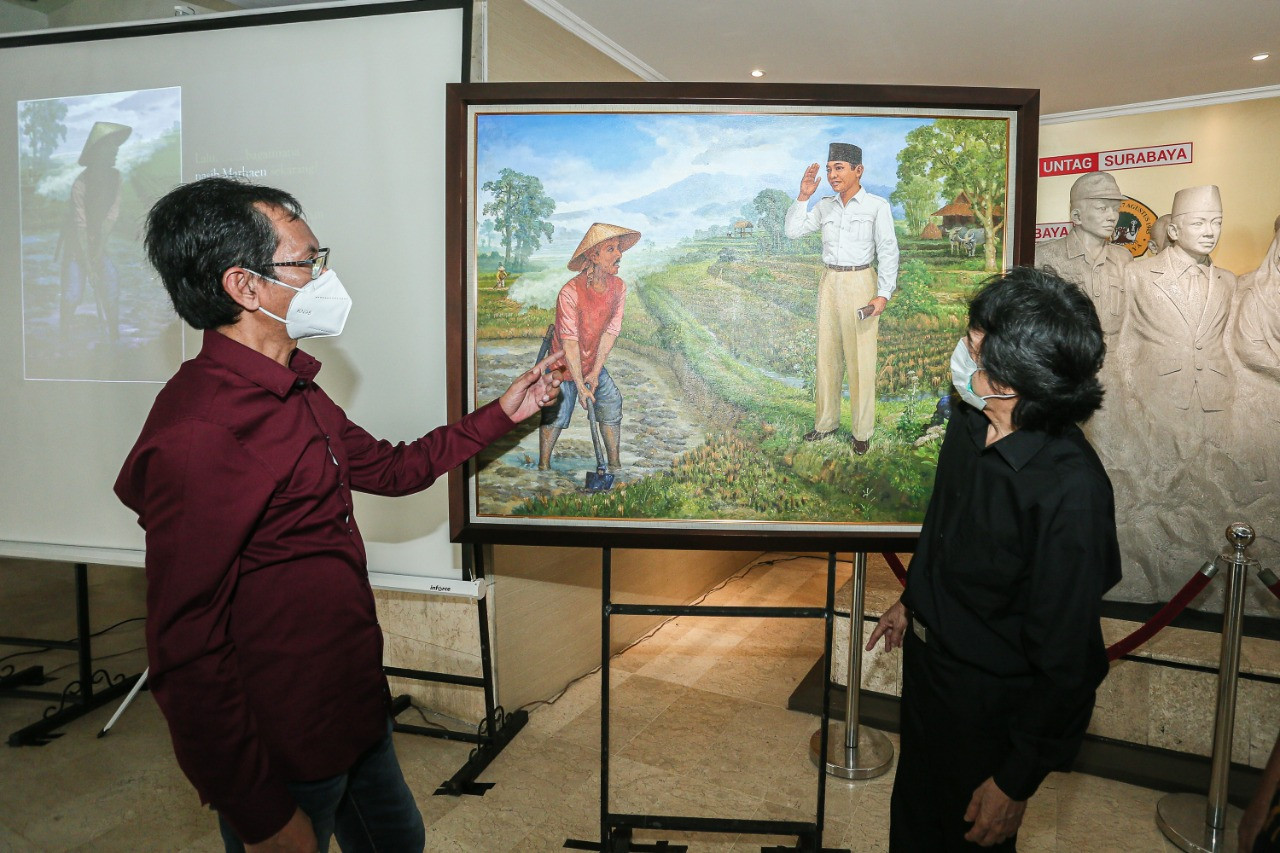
(1179, 302)
(1159, 236)
(1257, 330)
(1086, 255)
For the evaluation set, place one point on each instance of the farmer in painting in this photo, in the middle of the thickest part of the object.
(92, 211)
(857, 227)
(588, 320)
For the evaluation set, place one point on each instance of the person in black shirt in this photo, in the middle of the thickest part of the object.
(1003, 647)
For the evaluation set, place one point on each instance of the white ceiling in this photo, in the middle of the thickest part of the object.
(1081, 54)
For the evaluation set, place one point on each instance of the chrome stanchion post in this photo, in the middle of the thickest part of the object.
(1208, 824)
(853, 750)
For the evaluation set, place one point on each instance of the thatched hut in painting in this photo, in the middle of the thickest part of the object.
(960, 212)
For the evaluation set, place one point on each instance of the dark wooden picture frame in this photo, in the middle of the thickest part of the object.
(770, 488)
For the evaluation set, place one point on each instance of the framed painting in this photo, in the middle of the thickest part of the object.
(756, 328)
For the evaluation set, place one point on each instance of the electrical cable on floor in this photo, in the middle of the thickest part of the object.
(432, 723)
(43, 649)
(97, 658)
(657, 628)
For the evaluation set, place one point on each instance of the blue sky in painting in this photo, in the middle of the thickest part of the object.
(667, 174)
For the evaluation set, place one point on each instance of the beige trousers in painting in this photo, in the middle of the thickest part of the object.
(844, 341)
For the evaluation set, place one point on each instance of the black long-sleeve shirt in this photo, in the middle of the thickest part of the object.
(1017, 548)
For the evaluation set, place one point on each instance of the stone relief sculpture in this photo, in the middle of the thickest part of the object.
(1086, 255)
(1254, 349)
(1174, 340)
(1190, 428)
(1159, 235)
(1255, 343)
(1171, 447)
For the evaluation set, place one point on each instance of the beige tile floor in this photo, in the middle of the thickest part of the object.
(699, 727)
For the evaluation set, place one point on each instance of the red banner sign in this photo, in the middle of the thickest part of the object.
(1176, 154)
(1051, 230)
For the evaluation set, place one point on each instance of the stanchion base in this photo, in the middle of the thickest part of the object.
(1181, 817)
(872, 756)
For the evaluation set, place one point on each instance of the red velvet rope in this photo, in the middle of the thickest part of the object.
(1270, 581)
(1154, 625)
(895, 564)
(1176, 605)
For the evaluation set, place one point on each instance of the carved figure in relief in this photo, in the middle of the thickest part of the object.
(1159, 236)
(1174, 339)
(1255, 340)
(1086, 255)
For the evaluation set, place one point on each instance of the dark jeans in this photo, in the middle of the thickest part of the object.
(369, 808)
(955, 723)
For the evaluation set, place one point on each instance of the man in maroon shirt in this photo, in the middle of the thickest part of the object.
(262, 637)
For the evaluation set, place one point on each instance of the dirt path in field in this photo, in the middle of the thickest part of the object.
(658, 425)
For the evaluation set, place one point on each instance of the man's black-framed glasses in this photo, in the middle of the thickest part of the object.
(317, 264)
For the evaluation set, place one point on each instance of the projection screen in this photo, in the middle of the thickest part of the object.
(342, 105)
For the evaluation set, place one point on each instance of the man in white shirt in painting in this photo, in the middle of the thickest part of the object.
(857, 228)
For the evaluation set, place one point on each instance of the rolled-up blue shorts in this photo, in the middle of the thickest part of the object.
(608, 403)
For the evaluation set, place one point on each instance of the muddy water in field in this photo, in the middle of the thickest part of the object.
(657, 426)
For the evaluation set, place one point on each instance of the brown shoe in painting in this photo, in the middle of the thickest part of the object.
(860, 447)
(817, 435)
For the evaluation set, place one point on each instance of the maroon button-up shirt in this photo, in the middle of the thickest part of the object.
(264, 647)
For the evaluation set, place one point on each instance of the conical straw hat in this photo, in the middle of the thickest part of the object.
(597, 234)
(104, 133)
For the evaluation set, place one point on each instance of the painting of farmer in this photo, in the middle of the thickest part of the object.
(588, 322)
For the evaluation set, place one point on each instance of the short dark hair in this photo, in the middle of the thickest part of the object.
(1042, 338)
(198, 231)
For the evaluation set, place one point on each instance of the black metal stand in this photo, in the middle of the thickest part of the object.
(616, 829)
(498, 727)
(79, 697)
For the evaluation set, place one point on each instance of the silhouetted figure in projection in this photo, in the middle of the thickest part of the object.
(91, 213)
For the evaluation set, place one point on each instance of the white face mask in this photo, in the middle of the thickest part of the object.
(318, 310)
(963, 367)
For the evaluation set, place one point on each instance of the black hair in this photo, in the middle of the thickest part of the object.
(198, 231)
(1042, 338)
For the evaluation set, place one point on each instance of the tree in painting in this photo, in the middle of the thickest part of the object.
(918, 195)
(770, 209)
(969, 157)
(520, 209)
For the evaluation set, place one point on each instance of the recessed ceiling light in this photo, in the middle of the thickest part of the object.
(757, 72)
(1258, 57)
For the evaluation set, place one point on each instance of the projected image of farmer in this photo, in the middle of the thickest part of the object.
(91, 213)
(588, 321)
(89, 168)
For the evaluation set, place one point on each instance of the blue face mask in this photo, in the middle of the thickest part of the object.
(963, 367)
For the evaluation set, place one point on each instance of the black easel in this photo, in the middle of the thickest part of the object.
(616, 829)
(79, 697)
(498, 727)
